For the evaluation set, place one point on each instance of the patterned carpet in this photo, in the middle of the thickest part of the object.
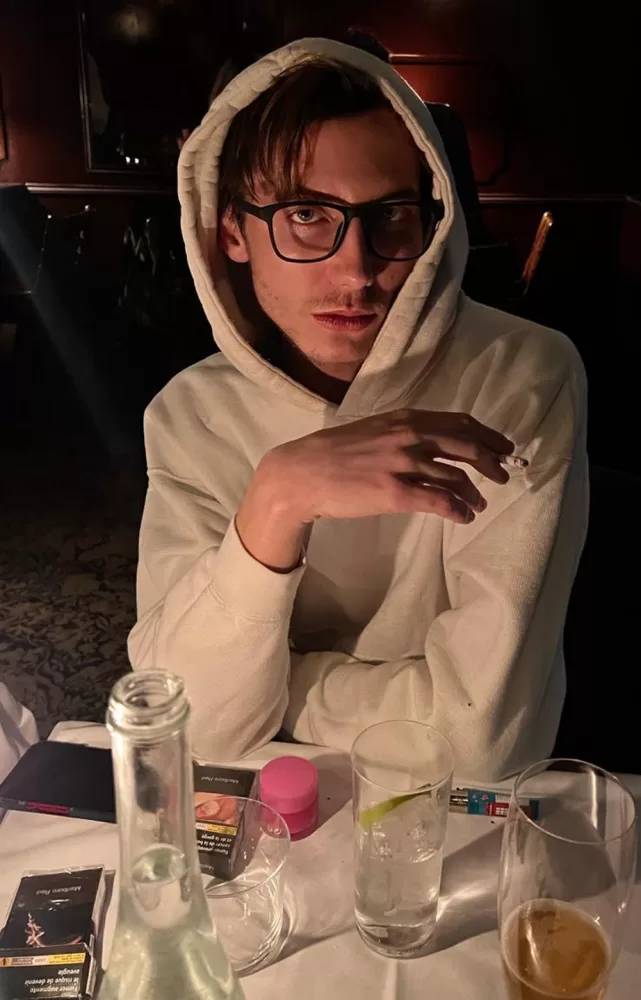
(68, 542)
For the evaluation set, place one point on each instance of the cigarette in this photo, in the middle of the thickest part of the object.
(514, 461)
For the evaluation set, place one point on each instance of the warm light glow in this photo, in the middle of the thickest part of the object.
(134, 22)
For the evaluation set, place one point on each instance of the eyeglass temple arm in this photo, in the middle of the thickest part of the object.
(263, 212)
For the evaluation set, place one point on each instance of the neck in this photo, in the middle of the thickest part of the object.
(330, 383)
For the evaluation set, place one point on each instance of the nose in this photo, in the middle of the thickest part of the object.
(352, 263)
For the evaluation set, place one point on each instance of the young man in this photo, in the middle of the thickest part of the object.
(331, 536)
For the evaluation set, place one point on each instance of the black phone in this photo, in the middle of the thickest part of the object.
(62, 779)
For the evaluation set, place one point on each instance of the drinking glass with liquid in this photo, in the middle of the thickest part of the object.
(565, 881)
(402, 777)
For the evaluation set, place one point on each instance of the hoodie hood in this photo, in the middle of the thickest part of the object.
(426, 306)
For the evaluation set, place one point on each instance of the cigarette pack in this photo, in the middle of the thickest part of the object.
(219, 817)
(47, 948)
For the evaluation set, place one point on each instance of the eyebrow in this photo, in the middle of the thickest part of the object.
(400, 193)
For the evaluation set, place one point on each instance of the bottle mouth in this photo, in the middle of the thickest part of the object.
(147, 702)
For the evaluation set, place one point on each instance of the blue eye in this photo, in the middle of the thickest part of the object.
(304, 216)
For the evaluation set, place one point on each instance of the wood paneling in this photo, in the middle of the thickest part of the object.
(3, 140)
(147, 73)
(631, 243)
(568, 94)
(478, 93)
(554, 84)
(548, 95)
(39, 60)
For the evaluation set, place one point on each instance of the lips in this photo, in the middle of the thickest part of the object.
(353, 321)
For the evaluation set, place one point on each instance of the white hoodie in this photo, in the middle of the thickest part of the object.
(404, 616)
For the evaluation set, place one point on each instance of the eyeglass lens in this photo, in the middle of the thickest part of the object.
(307, 232)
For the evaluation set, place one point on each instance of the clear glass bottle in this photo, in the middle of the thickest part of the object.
(165, 946)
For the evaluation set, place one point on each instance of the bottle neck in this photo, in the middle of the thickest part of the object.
(154, 798)
(153, 771)
(165, 945)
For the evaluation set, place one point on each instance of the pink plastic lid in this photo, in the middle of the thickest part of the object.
(289, 785)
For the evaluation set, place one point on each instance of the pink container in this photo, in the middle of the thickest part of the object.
(290, 786)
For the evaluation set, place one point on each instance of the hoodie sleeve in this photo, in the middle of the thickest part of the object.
(207, 610)
(493, 677)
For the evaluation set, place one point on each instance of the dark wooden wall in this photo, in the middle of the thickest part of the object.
(557, 83)
(39, 69)
(548, 94)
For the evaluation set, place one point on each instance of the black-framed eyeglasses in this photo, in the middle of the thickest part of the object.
(308, 231)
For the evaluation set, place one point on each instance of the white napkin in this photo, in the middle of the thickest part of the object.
(18, 730)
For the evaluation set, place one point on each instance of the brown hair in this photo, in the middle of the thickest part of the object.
(268, 140)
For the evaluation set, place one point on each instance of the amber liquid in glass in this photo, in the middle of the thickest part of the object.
(554, 951)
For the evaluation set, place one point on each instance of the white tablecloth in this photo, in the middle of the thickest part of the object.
(324, 956)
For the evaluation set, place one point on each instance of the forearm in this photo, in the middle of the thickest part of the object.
(334, 696)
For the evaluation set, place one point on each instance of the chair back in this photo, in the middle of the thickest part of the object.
(454, 136)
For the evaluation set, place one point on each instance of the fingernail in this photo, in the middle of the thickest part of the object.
(469, 517)
(482, 503)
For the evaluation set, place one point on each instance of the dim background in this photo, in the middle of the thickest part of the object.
(97, 310)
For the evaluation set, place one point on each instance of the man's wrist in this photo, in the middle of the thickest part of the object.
(270, 521)
(276, 486)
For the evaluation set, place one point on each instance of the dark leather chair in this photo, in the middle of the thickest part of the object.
(492, 271)
(494, 274)
(162, 323)
(457, 147)
(600, 721)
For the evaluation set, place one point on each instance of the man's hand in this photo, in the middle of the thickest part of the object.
(391, 464)
(395, 463)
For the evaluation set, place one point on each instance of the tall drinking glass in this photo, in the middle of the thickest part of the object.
(402, 777)
(566, 874)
